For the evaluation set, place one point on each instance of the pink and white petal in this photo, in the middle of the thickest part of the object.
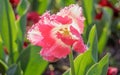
(75, 13)
(45, 29)
(75, 10)
(78, 25)
(75, 32)
(81, 26)
(34, 35)
(63, 20)
(55, 52)
(48, 41)
(46, 32)
(60, 50)
(50, 58)
(47, 56)
(45, 15)
(79, 46)
(66, 39)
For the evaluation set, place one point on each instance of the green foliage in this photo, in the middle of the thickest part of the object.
(67, 2)
(40, 6)
(3, 67)
(8, 27)
(67, 72)
(106, 22)
(11, 32)
(85, 59)
(2, 55)
(89, 10)
(89, 13)
(84, 65)
(21, 24)
(31, 62)
(92, 43)
(14, 70)
(99, 68)
(114, 1)
(103, 38)
(23, 7)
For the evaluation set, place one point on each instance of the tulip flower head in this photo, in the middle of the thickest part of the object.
(57, 33)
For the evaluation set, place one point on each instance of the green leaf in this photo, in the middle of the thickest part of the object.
(14, 70)
(25, 55)
(31, 62)
(2, 54)
(68, 2)
(40, 6)
(115, 2)
(89, 10)
(103, 39)
(83, 62)
(51, 4)
(107, 14)
(7, 27)
(106, 21)
(89, 13)
(3, 67)
(0, 38)
(23, 7)
(92, 43)
(67, 72)
(21, 23)
(100, 68)
(92, 70)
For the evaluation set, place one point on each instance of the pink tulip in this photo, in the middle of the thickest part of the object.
(57, 33)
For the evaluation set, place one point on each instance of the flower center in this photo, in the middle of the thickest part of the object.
(64, 31)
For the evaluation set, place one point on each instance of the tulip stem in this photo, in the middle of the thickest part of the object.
(71, 63)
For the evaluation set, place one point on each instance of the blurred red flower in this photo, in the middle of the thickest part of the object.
(58, 32)
(33, 16)
(106, 3)
(25, 44)
(99, 16)
(14, 2)
(17, 17)
(112, 71)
